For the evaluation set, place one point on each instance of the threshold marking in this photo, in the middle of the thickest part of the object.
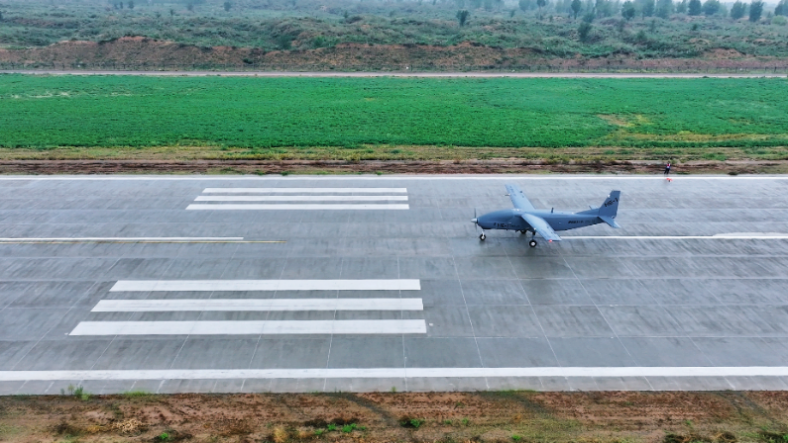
(300, 198)
(306, 304)
(358, 327)
(302, 207)
(265, 285)
(304, 190)
(407, 373)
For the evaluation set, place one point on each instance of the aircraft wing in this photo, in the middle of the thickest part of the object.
(519, 200)
(541, 226)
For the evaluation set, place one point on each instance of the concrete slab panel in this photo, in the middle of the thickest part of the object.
(77, 355)
(286, 353)
(448, 321)
(590, 352)
(757, 383)
(229, 386)
(367, 352)
(441, 352)
(665, 351)
(365, 385)
(520, 352)
(504, 321)
(215, 353)
(743, 351)
(11, 352)
(187, 387)
(514, 384)
(556, 292)
(644, 321)
(10, 387)
(572, 321)
(496, 292)
(286, 385)
(450, 384)
(618, 292)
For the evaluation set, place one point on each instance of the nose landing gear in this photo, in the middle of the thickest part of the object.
(483, 237)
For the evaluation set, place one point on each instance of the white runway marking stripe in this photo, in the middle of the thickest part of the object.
(360, 327)
(300, 198)
(247, 305)
(304, 190)
(292, 207)
(118, 239)
(265, 285)
(405, 373)
(753, 236)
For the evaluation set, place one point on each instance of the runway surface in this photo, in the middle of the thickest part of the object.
(162, 284)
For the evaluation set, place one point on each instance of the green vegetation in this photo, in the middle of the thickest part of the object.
(76, 391)
(272, 118)
(549, 28)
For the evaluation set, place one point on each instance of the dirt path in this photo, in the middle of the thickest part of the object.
(379, 167)
(385, 74)
(492, 417)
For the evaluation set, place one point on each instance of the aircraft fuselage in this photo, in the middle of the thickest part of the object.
(509, 219)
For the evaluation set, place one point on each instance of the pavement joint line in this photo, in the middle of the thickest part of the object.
(282, 304)
(265, 327)
(265, 285)
(406, 373)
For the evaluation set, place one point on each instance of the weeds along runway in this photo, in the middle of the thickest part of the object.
(249, 284)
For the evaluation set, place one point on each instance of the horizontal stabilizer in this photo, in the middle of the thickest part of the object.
(541, 226)
(609, 221)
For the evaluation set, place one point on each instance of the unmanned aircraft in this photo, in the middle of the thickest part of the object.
(524, 217)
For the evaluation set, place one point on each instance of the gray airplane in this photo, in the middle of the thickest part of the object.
(524, 217)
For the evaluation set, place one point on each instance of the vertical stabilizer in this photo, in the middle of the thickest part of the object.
(610, 207)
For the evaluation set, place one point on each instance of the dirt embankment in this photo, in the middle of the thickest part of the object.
(35, 167)
(145, 53)
(502, 417)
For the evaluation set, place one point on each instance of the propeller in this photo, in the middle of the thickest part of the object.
(475, 220)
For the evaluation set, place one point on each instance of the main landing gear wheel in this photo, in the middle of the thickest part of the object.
(483, 237)
(523, 232)
(532, 243)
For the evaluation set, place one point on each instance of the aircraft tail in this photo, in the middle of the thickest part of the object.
(609, 209)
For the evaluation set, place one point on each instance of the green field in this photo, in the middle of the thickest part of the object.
(261, 116)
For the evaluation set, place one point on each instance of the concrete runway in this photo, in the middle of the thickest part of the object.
(224, 284)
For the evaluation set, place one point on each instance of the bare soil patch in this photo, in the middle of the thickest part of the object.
(148, 53)
(512, 416)
(262, 167)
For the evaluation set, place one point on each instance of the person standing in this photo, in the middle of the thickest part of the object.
(667, 169)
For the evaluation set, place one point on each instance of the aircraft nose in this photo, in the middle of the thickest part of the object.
(474, 220)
